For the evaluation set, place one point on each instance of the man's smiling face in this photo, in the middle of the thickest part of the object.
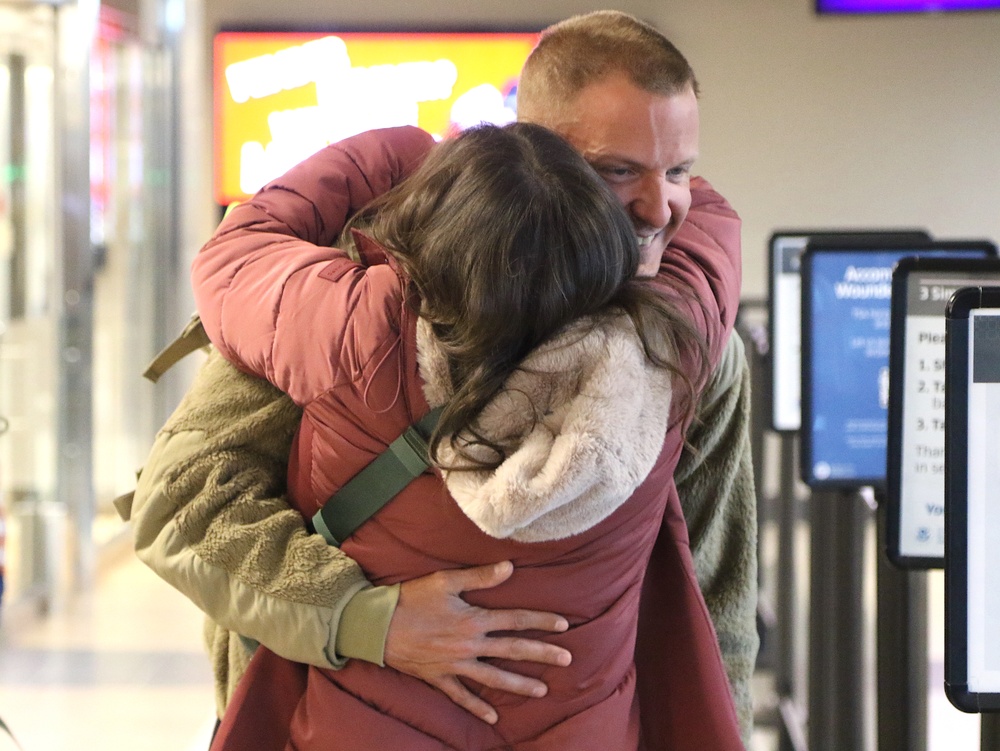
(644, 145)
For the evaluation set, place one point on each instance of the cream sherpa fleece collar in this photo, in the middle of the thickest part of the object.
(604, 410)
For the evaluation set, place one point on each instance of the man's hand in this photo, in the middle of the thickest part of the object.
(436, 636)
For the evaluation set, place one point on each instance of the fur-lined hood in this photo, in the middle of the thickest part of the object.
(603, 411)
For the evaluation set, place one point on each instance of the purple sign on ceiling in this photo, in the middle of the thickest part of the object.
(903, 6)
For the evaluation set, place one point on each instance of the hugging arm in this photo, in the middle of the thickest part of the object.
(714, 476)
(705, 255)
(210, 517)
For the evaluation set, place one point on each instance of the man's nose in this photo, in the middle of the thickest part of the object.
(651, 206)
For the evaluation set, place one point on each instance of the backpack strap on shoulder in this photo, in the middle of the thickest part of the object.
(378, 483)
(191, 338)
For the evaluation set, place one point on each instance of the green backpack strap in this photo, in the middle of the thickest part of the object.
(366, 492)
(191, 338)
(378, 483)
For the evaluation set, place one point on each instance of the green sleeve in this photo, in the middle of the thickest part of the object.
(364, 624)
(210, 517)
(716, 487)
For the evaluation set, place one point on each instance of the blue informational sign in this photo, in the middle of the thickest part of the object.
(785, 309)
(846, 310)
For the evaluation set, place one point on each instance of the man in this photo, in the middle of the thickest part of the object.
(641, 135)
(220, 533)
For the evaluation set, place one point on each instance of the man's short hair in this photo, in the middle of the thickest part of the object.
(584, 49)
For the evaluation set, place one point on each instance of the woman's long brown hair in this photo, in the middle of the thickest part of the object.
(508, 236)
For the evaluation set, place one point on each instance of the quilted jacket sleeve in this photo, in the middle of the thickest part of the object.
(715, 475)
(706, 254)
(272, 254)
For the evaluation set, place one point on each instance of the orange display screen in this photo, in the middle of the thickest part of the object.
(281, 96)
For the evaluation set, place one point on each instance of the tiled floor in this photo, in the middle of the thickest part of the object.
(119, 668)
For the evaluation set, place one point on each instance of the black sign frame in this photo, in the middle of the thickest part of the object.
(851, 245)
(956, 569)
(901, 303)
(778, 307)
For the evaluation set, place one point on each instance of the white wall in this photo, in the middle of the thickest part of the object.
(840, 122)
(806, 121)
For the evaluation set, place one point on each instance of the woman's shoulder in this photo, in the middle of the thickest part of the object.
(351, 320)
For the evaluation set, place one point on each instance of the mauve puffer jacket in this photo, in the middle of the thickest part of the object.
(337, 336)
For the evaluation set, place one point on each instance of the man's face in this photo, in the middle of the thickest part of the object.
(644, 145)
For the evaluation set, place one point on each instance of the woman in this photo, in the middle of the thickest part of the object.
(497, 283)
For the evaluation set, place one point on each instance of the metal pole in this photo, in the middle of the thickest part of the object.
(990, 732)
(902, 654)
(789, 688)
(785, 597)
(836, 622)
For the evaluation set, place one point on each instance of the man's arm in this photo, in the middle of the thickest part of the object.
(716, 488)
(210, 518)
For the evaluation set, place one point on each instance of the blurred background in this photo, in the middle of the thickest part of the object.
(127, 126)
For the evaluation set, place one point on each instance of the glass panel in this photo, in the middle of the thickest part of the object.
(28, 365)
(124, 306)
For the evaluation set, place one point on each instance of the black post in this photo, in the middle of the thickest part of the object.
(990, 732)
(836, 621)
(785, 596)
(902, 653)
(789, 685)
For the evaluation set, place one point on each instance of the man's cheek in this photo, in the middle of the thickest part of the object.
(681, 208)
(623, 193)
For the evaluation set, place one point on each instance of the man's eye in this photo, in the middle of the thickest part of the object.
(678, 173)
(615, 173)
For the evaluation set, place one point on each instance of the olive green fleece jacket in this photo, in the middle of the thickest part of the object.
(210, 518)
(715, 483)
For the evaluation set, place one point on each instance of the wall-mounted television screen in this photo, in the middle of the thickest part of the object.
(281, 96)
(903, 6)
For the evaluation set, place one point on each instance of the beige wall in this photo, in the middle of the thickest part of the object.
(806, 121)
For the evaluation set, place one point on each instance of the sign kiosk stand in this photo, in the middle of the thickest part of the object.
(790, 684)
(837, 717)
(901, 643)
(911, 521)
(785, 306)
(783, 394)
(915, 471)
(990, 733)
(972, 514)
(846, 291)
